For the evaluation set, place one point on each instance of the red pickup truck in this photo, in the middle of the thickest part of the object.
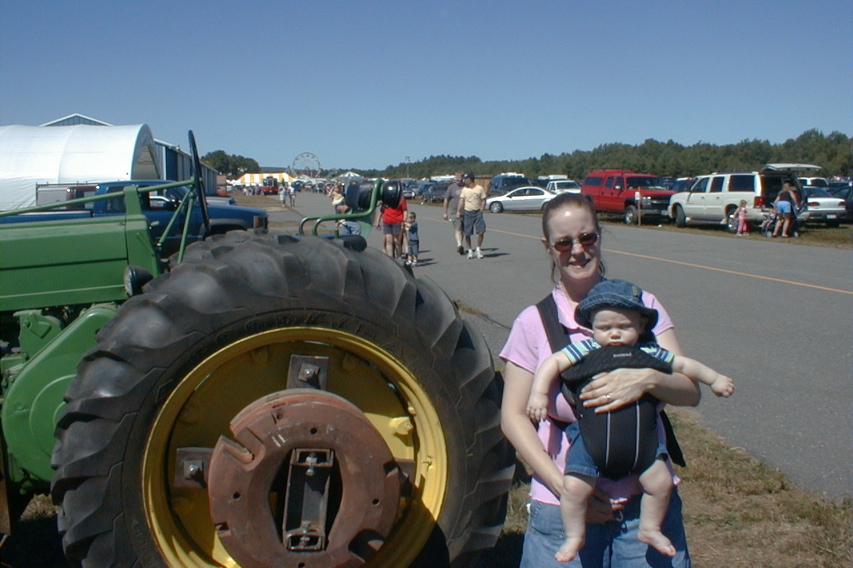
(632, 195)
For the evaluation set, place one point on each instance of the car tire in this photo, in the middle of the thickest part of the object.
(680, 217)
(217, 330)
(630, 217)
(731, 221)
(496, 207)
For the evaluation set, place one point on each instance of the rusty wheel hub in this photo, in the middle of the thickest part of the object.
(307, 481)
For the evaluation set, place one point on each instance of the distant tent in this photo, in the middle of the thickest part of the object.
(260, 178)
(348, 177)
(31, 155)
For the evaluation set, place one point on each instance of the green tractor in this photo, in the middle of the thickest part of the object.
(255, 400)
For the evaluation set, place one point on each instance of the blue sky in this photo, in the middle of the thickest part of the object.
(367, 83)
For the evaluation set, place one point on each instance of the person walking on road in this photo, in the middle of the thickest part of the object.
(413, 240)
(472, 202)
(392, 228)
(451, 207)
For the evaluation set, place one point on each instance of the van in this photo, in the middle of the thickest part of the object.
(713, 198)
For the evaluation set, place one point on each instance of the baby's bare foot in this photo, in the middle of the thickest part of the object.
(656, 540)
(569, 549)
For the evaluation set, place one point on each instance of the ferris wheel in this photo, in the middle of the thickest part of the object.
(306, 164)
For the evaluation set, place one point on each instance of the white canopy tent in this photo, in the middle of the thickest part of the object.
(84, 154)
(259, 178)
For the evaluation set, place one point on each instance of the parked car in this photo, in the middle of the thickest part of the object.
(435, 192)
(175, 194)
(631, 195)
(714, 198)
(220, 199)
(563, 186)
(158, 209)
(814, 182)
(836, 187)
(502, 183)
(423, 185)
(844, 190)
(527, 198)
(823, 207)
(409, 185)
(683, 184)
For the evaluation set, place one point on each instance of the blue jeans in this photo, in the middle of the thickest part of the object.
(611, 545)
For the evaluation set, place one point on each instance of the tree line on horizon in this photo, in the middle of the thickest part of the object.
(833, 153)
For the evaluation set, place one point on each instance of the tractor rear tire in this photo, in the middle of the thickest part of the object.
(215, 334)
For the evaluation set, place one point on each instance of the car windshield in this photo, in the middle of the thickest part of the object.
(177, 193)
(815, 192)
(567, 185)
(644, 182)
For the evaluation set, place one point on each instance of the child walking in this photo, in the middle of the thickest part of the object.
(411, 231)
(740, 216)
(624, 441)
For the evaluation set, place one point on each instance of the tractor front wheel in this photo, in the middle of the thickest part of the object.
(274, 401)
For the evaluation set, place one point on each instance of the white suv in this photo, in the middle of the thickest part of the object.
(814, 182)
(714, 198)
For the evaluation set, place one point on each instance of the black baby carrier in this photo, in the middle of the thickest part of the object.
(623, 441)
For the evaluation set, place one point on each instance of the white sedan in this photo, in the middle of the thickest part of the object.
(525, 198)
(821, 207)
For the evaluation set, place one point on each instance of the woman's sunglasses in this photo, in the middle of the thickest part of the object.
(584, 240)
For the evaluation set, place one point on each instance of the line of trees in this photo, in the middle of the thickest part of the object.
(833, 153)
(230, 165)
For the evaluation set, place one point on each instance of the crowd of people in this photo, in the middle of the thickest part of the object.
(463, 206)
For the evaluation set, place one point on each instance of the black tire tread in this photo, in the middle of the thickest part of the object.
(245, 277)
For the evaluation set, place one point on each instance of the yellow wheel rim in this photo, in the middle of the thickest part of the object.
(198, 411)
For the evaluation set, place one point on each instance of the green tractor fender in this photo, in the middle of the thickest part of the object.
(34, 399)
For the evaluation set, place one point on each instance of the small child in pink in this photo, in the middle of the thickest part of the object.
(740, 216)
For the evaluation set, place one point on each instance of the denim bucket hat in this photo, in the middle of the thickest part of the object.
(614, 294)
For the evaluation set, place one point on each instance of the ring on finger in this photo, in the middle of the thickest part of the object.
(608, 397)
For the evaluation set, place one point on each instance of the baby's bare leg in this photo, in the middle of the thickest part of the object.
(577, 489)
(657, 487)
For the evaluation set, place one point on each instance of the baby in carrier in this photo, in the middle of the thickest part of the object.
(624, 441)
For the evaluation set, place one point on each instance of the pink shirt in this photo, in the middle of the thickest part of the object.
(526, 347)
